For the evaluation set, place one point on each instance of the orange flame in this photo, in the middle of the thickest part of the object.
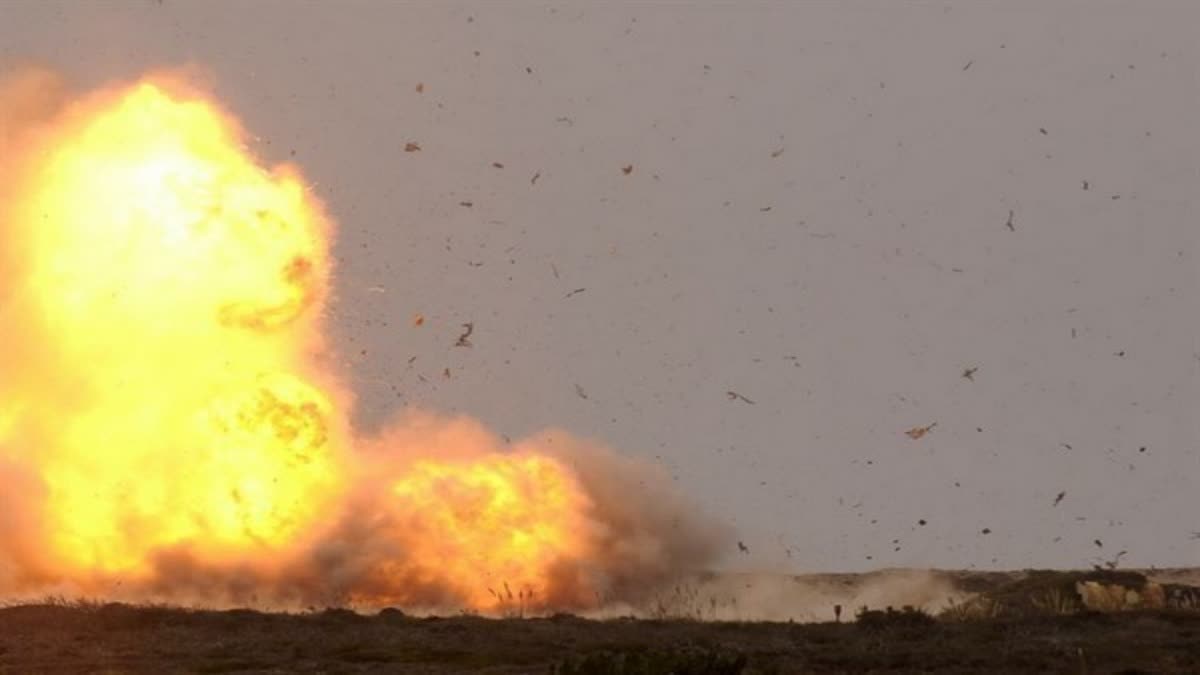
(500, 522)
(163, 296)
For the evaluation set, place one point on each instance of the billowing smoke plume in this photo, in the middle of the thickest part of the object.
(171, 426)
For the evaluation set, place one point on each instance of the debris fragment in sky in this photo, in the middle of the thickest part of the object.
(464, 340)
(734, 396)
(916, 433)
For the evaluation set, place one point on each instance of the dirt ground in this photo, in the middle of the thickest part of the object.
(126, 639)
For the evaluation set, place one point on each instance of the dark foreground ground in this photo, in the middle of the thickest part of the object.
(125, 639)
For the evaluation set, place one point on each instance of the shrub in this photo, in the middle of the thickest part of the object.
(906, 617)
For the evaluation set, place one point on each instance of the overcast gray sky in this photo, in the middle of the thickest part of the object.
(816, 218)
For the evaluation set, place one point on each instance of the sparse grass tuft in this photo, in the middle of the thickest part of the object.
(510, 605)
(978, 608)
(1056, 600)
(684, 602)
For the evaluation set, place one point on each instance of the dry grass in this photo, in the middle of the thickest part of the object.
(67, 636)
(1056, 600)
(510, 605)
(683, 602)
(1033, 623)
(978, 608)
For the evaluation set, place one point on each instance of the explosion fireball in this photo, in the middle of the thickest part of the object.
(170, 422)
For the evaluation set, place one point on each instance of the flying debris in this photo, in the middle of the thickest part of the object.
(1059, 498)
(1098, 543)
(412, 147)
(1009, 223)
(577, 291)
(464, 340)
(778, 153)
(742, 547)
(969, 373)
(734, 396)
(534, 180)
(1116, 560)
(968, 66)
(627, 169)
(418, 320)
(916, 433)
(580, 392)
(420, 87)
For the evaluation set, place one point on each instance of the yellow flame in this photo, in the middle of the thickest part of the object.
(166, 297)
(178, 282)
